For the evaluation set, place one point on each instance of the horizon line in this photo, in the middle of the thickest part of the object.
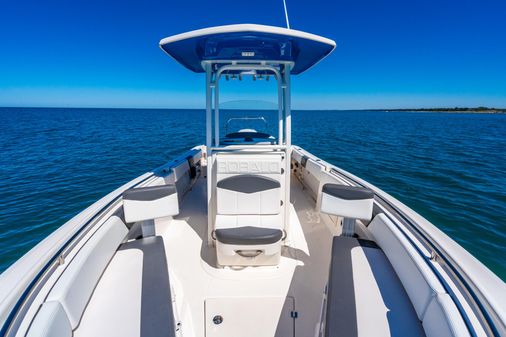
(456, 108)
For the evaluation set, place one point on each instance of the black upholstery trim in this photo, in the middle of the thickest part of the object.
(248, 183)
(248, 235)
(348, 192)
(149, 193)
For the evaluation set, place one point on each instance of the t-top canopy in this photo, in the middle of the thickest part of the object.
(247, 42)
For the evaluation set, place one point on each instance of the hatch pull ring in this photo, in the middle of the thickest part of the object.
(218, 319)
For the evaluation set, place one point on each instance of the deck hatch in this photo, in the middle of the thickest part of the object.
(250, 316)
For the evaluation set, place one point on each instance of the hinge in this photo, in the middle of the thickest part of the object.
(294, 314)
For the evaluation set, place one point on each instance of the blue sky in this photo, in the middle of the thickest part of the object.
(390, 54)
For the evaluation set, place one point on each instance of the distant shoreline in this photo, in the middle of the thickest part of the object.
(479, 110)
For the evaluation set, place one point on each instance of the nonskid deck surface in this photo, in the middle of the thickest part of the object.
(304, 262)
(257, 301)
(133, 295)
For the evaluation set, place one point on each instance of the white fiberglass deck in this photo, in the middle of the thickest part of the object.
(114, 309)
(253, 301)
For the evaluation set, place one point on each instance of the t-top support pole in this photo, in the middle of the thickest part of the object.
(288, 141)
(209, 154)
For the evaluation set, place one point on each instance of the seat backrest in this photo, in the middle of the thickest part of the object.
(434, 307)
(249, 184)
(148, 203)
(76, 284)
(443, 319)
(420, 282)
(347, 201)
(248, 194)
(51, 321)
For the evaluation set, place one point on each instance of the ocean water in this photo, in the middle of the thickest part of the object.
(450, 168)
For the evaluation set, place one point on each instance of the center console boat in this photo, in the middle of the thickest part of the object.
(249, 235)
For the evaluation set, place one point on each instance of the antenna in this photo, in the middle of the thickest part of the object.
(286, 15)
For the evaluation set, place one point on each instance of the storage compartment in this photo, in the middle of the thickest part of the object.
(249, 317)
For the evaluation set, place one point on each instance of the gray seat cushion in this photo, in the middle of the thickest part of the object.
(248, 235)
(157, 316)
(348, 192)
(364, 294)
(248, 183)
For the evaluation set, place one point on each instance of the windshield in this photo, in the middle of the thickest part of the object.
(248, 103)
